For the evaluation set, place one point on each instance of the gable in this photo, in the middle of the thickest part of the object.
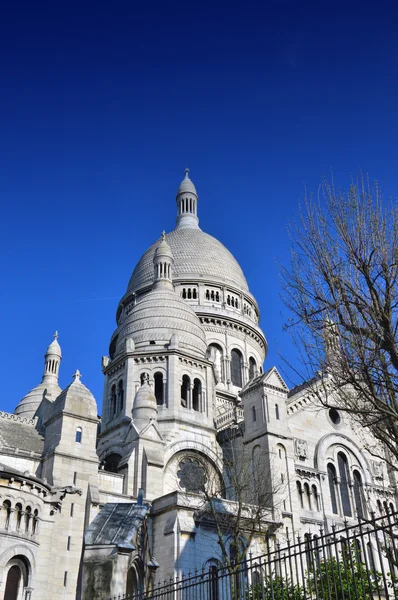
(274, 379)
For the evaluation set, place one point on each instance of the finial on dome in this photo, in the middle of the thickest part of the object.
(76, 375)
(56, 335)
(186, 171)
(163, 236)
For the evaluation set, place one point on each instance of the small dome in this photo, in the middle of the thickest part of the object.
(162, 249)
(54, 348)
(31, 402)
(144, 399)
(77, 399)
(157, 316)
(186, 185)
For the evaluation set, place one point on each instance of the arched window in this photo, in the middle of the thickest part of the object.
(300, 494)
(189, 294)
(35, 521)
(256, 580)
(217, 296)
(307, 496)
(18, 515)
(134, 583)
(252, 368)
(120, 393)
(184, 293)
(344, 491)
(276, 412)
(358, 494)
(28, 515)
(6, 513)
(111, 462)
(379, 507)
(185, 387)
(315, 496)
(332, 487)
(207, 295)
(194, 295)
(236, 368)
(113, 400)
(308, 553)
(13, 584)
(254, 413)
(79, 433)
(144, 378)
(197, 395)
(213, 582)
(158, 379)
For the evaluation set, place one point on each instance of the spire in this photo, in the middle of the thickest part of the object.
(163, 263)
(187, 203)
(52, 360)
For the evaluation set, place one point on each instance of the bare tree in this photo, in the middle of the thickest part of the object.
(341, 289)
(240, 505)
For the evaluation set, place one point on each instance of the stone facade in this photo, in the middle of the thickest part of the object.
(93, 507)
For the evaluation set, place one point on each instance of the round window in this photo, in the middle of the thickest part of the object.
(334, 416)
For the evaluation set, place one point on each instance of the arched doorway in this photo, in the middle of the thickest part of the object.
(134, 584)
(13, 583)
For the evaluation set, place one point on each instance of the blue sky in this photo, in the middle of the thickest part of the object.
(104, 104)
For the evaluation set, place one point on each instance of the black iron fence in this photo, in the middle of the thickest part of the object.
(357, 562)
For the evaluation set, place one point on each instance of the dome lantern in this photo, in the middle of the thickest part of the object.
(48, 388)
(163, 263)
(52, 360)
(187, 204)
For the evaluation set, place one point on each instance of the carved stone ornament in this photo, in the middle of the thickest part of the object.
(301, 448)
(191, 475)
(377, 469)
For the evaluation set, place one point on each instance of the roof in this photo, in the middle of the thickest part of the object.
(197, 256)
(271, 378)
(116, 524)
(27, 475)
(17, 432)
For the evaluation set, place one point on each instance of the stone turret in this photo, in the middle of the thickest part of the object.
(187, 204)
(144, 408)
(52, 358)
(48, 389)
(163, 266)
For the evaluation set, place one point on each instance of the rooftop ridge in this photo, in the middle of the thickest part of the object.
(13, 417)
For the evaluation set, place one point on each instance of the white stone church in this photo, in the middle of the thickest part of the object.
(94, 507)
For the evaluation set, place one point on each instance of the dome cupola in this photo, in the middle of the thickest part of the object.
(163, 262)
(48, 388)
(144, 407)
(187, 204)
(52, 360)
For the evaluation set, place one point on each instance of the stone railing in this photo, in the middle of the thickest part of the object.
(229, 417)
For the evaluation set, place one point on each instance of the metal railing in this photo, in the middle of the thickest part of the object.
(357, 562)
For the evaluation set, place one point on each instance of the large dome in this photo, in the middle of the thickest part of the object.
(157, 317)
(197, 256)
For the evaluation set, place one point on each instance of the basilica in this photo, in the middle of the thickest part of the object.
(98, 506)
